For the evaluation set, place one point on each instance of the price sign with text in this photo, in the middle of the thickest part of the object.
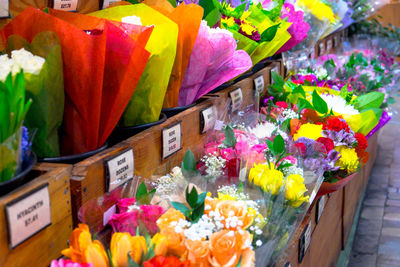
(4, 8)
(237, 98)
(304, 241)
(259, 84)
(329, 45)
(119, 169)
(336, 40)
(65, 5)
(320, 208)
(321, 49)
(106, 3)
(28, 215)
(207, 119)
(172, 140)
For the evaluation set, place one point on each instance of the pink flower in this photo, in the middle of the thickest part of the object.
(149, 216)
(242, 148)
(125, 222)
(124, 204)
(291, 159)
(228, 153)
(282, 104)
(68, 263)
(212, 148)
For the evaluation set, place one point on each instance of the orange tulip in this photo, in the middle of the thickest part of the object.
(123, 244)
(83, 250)
(160, 243)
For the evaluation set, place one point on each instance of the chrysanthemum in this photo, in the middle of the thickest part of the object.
(339, 105)
(309, 130)
(348, 159)
(295, 190)
(266, 130)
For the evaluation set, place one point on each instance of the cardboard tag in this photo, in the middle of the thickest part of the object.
(304, 241)
(108, 214)
(237, 98)
(119, 169)
(65, 5)
(207, 119)
(106, 3)
(259, 84)
(172, 140)
(4, 8)
(320, 208)
(329, 45)
(321, 49)
(28, 215)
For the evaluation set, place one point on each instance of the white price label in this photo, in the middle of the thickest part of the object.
(320, 208)
(321, 49)
(65, 5)
(329, 45)
(28, 215)
(106, 3)
(304, 241)
(207, 119)
(4, 8)
(307, 237)
(336, 41)
(108, 214)
(171, 138)
(259, 84)
(237, 98)
(119, 169)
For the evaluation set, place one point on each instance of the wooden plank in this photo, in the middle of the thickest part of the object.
(46, 245)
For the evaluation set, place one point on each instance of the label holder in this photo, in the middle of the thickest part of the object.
(107, 167)
(164, 156)
(304, 241)
(236, 102)
(320, 208)
(204, 124)
(53, 2)
(18, 199)
(8, 12)
(259, 84)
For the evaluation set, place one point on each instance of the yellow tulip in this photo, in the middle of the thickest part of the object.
(96, 255)
(123, 244)
(139, 248)
(295, 190)
(160, 243)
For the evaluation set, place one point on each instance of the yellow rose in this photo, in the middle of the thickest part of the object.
(295, 190)
(172, 215)
(269, 179)
(198, 253)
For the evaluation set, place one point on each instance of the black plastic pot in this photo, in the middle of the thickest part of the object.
(21, 178)
(170, 112)
(221, 87)
(72, 159)
(121, 133)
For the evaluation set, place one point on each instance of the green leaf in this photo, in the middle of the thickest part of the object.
(277, 79)
(299, 90)
(201, 198)
(192, 197)
(269, 34)
(189, 161)
(369, 100)
(318, 103)
(279, 144)
(197, 213)
(303, 104)
(230, 139)
(270, 145)
(131, 262)
(181, 207)
(141, 191)
(343, 92)
(390, 101)
(173, 2)
(239, 10)
(110, 257)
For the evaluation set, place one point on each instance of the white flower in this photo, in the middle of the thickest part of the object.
(6, 65)
(132, 20)
(27, 61)
(266, 130)
(339, 105)
(258, 243)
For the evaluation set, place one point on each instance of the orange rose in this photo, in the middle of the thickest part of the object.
(248, 258)
(198, 253)
(224, 248)
(230, 208)
(176, 242)
(209, 205)
(172, 215)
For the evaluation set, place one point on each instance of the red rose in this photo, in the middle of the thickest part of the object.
(301, 148)
(336, 124)
(232, 168)
(161, 261)
(282, 104)
(362, 142)
(327, 142)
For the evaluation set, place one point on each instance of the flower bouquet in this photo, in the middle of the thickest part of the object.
(42, 65)
(100, 74)
(147, 100)
(256, 33)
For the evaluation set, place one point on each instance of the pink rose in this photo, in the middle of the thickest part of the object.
(291, 159)
(149, 216)
(228, 153)
(242, 148)
(125, 222)
(124, 204)
(212, 148)
(68, 263)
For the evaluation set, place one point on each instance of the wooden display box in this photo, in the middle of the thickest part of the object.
(90, 179)
(32, 204)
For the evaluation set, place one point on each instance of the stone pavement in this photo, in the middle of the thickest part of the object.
(377, 239)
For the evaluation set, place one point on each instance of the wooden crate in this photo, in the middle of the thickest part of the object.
(89, 176)
(45, 245)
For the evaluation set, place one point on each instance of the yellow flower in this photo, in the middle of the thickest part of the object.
(227, 6)
(247, 28)
(245, 15)
(123, 244)
(269, 180)
(295, 190)
(319, 9)
(160, 243)
(348, 159)
(309, 130)
(228, 21)
(225, 197)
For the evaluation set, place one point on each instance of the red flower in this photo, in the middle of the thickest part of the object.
(361, 140)
(282, 104)
(327, 142)
(232, 168)
(161, 261)
(301, 148)
(309, 115)
(336, 124)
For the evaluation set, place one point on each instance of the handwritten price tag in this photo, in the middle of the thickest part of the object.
(207, 119)
(259, 84)
(28, 215)
(321, 49)
(329, 45)
(304, 241)
(237, 98)
(65, 5)
(172, 140)
(119, 169)
(4, 8)
(336, 41)
(106, 3)
(320, 208)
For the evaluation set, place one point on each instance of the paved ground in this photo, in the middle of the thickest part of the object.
(377, 239)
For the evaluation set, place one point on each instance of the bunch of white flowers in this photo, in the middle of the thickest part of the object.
(20, 59)
(214, 165)
(267, 130)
